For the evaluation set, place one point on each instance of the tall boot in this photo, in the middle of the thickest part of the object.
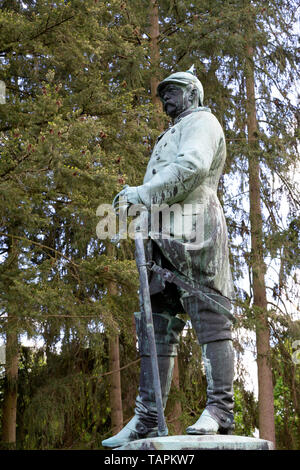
(218, 359)
(167, 329)
(213, 332)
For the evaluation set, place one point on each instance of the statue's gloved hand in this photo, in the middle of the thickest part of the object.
(128, 196)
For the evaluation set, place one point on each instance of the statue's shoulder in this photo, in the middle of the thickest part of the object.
(201, 113)
(205, 113)
(204, 109)
(202, 116)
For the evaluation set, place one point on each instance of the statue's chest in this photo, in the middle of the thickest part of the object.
(164, 152)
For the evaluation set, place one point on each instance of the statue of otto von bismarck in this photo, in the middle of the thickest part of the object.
(185, 168)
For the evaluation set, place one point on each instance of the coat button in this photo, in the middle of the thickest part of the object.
(157, 158)
(154, 171)
(173, 130)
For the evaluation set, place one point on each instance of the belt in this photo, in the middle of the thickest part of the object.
(171, 277)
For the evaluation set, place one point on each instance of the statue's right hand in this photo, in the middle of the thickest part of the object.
(117, 202)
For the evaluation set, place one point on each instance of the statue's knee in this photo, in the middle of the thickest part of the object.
(209, 325)
(167, 329)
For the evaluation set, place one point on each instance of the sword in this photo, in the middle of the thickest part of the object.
(148, 321)
(145, 294)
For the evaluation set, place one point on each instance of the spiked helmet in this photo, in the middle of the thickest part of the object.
(183, 78)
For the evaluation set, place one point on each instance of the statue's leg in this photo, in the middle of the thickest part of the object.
(214, 335)
(167, 329)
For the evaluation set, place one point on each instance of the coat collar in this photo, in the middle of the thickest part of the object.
(190, 111)
(181, 116)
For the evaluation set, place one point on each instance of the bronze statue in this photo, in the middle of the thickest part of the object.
(185, 168)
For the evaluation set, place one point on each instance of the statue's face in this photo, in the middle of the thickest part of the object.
(177, 99)
(172, 99)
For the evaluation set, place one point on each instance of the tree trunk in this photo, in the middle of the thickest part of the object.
(265, 383)
(154, 53)
(114, 365)
(9, 412)
(115, 385)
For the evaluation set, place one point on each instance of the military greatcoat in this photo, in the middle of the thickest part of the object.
(185, 168)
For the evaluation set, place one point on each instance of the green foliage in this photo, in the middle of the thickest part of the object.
(61, 398)
(245, 410)
(64, 127)
(286, 376)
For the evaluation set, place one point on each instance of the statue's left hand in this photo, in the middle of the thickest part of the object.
(128, 196)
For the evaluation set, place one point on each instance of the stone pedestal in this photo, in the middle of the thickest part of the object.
(203, 442)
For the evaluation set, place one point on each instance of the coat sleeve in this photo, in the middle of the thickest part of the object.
(198, 145)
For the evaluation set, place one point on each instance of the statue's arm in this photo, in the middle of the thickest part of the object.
(198, 145)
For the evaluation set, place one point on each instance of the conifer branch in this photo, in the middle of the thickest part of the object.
(48, 28)
(3, 234)
(118, 370)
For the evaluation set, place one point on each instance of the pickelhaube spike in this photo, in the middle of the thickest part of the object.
(192, 70)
